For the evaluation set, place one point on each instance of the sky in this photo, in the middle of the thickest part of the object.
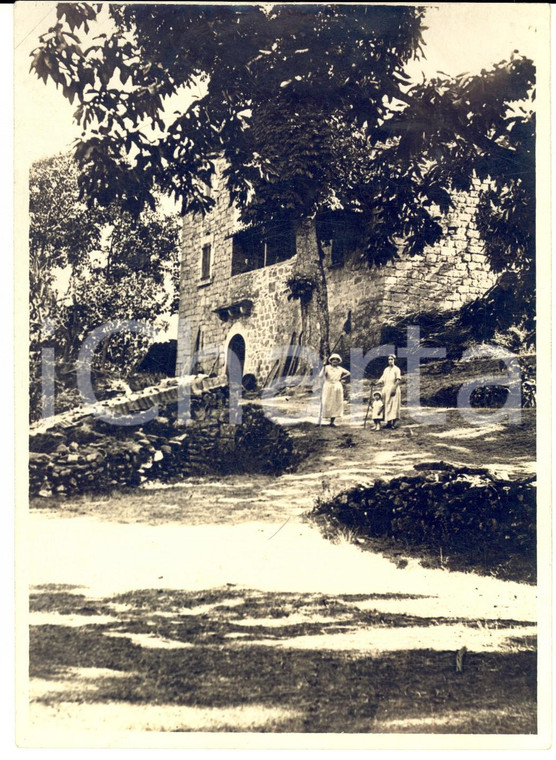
(461, 37)
(466, 37)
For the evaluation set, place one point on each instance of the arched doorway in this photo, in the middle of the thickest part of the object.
(235, 359)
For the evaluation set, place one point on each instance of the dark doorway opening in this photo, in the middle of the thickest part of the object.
(235, 359)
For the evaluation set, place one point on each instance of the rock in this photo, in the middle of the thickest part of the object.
(36, 459)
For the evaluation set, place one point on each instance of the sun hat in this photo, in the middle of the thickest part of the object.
(335, 356)
(391, 356)
(377, 393)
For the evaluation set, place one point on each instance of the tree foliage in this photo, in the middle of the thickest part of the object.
(312, 110)
(90, 266)
(61, 232)
(234, 70)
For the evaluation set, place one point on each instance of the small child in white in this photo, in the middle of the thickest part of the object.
(377, 410)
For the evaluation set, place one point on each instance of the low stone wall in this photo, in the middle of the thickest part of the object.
(448, 509)
(93, 455)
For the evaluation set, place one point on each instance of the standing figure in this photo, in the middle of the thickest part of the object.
(390, 381)
(377, 409)
(332, 401)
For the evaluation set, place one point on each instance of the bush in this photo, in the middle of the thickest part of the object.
(261, 445)
(475, 323)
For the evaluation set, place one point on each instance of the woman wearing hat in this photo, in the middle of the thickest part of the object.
(391, 395)
(332, 401)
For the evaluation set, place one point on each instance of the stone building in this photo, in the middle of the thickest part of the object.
(234, 295)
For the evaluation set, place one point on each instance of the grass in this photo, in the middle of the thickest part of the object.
(269, 498)
(312, 690)
(237, 666)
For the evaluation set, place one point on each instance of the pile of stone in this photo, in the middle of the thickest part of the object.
(443, 507)
(91, 455)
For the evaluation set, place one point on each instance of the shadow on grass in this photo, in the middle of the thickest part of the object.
(316, 690)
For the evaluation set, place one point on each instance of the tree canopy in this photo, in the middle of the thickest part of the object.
(174, 86)
(230, 69)
(312, 109)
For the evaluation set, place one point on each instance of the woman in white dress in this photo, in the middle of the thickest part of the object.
(332, 402)
(391, 393)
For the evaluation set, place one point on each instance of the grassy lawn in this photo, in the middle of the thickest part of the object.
(224, 660)
(250, 659)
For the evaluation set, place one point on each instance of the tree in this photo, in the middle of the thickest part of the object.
(310, 107)
(482, 126)
(61, 232)
(93, 266)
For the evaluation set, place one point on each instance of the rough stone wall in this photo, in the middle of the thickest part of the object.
(273, 318)
(95, 455)
(448, 275)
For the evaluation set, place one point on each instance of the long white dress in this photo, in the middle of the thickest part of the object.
(392, 403)
(332, 391)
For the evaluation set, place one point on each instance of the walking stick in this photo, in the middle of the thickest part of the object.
(321, 393)
(368, 405)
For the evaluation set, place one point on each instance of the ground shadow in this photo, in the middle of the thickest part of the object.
(311, 690)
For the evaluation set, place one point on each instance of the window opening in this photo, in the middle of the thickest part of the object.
(251, 250)
(205, 261)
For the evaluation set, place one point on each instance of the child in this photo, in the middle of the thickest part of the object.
(377, 409)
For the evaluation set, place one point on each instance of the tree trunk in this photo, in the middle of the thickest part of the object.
(310, 262)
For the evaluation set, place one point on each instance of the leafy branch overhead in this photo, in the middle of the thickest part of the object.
(312, 110)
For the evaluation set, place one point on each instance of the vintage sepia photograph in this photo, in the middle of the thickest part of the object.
(282, 289)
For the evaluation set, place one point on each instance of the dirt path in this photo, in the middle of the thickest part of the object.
(214, 607)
